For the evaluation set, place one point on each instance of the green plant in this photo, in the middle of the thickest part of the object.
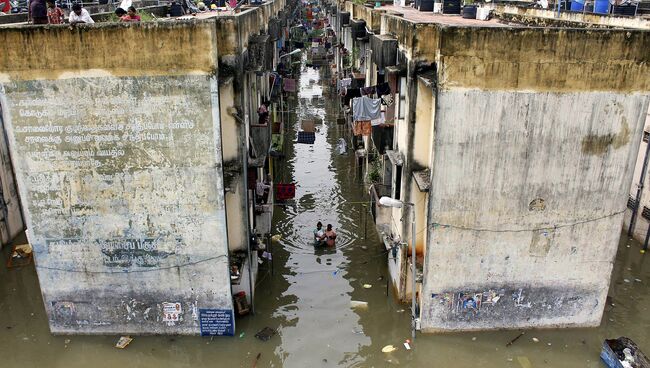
(374, 175)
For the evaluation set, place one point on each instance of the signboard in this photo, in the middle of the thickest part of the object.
(217, 322)
(172, 312)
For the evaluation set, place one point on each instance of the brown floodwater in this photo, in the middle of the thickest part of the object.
(307, 297)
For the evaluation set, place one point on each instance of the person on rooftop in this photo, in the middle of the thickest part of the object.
(38, 12)
(131, 15)
(79, 15)
(54, 13)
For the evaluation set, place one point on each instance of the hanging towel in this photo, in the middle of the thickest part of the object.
(366, 108)
(381, 120)
(383, 89)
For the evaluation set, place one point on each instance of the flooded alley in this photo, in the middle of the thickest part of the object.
(307, 296)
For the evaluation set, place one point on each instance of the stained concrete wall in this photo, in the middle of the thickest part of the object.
(119, 164)
(642, 226)
(234, 33)
(536, 136)
(549, 17)
(11, 217)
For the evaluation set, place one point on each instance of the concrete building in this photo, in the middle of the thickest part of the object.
(134, 169)
(516, 146)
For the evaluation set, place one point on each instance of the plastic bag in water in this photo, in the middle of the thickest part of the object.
(342, 146)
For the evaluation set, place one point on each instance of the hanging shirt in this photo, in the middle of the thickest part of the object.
(383, 89)
(366, 108)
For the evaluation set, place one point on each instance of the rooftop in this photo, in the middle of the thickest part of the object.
(417, 16)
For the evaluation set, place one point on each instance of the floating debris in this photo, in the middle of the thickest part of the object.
(123, 342)
(265, 334)
(388, 349)
(535, 339)
(356, 304)
(367, 286)
(515, 339)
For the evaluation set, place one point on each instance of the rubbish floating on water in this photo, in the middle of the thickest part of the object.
(276, 237)
(642, 251)
(123, 342)
(358, 304)
(400, 311)
(241, 335)
(515, 339)
(535, 339)
(407, 345)
(388, 349)
(524, 362)
(265, 334)
(474, 338)
(67, 341)
(367, 286)
(549, 344)
(626, 280)
(364, 247)
(623, 352)
(342, 146)
(637, 280)
(257, 358)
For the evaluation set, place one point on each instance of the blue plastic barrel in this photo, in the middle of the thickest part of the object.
(577, 5)
(601, 6)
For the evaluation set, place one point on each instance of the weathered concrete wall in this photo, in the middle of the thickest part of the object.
(542, 17)
(11, 217)
(234, 32)
(641, 228)
(119, 164)
(238, 97)
(536, 135)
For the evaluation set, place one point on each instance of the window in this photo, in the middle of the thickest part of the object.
(645, 136)
(402, 98)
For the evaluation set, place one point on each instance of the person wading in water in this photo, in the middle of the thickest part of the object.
(330, 234)
(319, 235)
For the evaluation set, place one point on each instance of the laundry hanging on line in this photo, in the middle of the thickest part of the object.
(351, 94)
(366, 108)
(379, 121)
(363, 127)
(367, 91)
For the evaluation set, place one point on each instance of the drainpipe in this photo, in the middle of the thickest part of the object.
(413, 272)
(639, 191)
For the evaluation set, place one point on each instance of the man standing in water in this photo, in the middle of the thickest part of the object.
(319, 234)
(330, 235)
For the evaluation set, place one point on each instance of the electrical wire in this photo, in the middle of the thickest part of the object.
(72, 270)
